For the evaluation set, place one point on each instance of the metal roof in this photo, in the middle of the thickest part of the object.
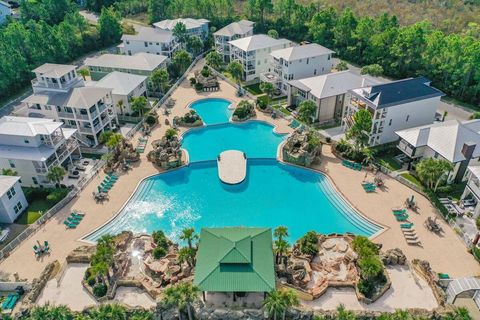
(235, 260)
(53, 70)
(6, 182)
(457, 286)
(27, 127)
(259, 41)
(330, 84)
(121, 83)
(151, 35)
(241, 27)
(139, 61)
(189, 23)
(398, 92)
(301, 52)
(446, 138)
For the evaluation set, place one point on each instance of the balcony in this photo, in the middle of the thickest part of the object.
(36, 84)
(270, 78)
(408, 149)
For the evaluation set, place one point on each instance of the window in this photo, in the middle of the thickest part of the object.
(315, 72)
(329, 57)
(390, 122)
(17, 207)
(35, 181)
(26, 141)
(408, 116)
(127, 42)
(11, 163)
(11, 192)
(145, 44)
(308, 60)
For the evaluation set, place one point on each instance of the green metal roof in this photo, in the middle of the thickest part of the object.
(235, 260)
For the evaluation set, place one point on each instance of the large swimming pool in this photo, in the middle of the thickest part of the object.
(272, 194)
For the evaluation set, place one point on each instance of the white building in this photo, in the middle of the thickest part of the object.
(31, 146)
(254, 53)
(233, 31)
(327, 91)
(297, 62)
(149, 40)
(454, 141)
(5, 11)
(472, 189)
(12, 199)
(394, 106)
(124, 87)
(195, 27)
(60, 94)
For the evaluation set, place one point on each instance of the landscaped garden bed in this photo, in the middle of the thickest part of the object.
(190, 119)
(244, 111)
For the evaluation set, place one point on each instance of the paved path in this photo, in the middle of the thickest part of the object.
(232, 166)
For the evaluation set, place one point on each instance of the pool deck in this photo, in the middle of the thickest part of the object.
(232, 166)
(446, 253)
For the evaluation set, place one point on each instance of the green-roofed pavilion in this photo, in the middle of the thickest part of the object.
(238, 260)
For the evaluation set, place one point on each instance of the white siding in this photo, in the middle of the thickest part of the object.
(7, 206)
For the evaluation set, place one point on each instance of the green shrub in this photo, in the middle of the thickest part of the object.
(205, 72)
(88, 273)
(159, 252)
(366, 288)
(151, 119)
(243, 110)
(308, 243)
(198, 86)
(193, 81)
(57, 194)
(32, 194)
(91, 281)
(364, 247)
(261, 104)
(100, 290)
(477, 222)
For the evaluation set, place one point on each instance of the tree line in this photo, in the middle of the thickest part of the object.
(49, 31)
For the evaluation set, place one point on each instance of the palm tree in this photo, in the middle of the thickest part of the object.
(195, 44)
(114, 140)
(56, 174)
(173, 297)
(433, 171)
(9, 172)
(344, 314)
(84, 73)
(170, 133)
(236, 71)
(108, 312)
(180, 32)
(160, 79)
(290, 299)
(460, 313)
(120, 105)
(188, 234)
(51, 312)
(190, 294)
(281, 247)
(280, 232)
(182, 59)
(274, 303)
(214, 60)
(268, 89)
(187, 255)
(139, 104)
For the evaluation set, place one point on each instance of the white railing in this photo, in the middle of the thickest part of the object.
(31, 229)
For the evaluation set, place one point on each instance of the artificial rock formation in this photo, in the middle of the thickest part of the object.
(166, 153)
(393, 257)
(301, 148)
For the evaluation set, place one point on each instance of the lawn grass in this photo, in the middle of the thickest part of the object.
(254, 89)
(389, 162)
(282, 109)
(33, 211)
(411, 178)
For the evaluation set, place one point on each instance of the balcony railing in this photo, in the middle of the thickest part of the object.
(50, 85)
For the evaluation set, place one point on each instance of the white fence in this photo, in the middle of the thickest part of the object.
(31, 229)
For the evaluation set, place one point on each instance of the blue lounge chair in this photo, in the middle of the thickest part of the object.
(46, 247)
(69, 225)
(406, 225)
(72, 221)
(402, 218)
(37, 250)
(399, 212)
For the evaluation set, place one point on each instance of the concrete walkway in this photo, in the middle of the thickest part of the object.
(407, 291)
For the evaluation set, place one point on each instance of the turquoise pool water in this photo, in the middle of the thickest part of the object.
(213, 111)
(272, 194)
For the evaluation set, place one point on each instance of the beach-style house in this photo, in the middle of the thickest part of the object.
(233, 31)
(12, 199)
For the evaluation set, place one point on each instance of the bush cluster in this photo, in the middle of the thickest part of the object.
(162, 243)
(243, 110)
(308, 243)
(369, 265)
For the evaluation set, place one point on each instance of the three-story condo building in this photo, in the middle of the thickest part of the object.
(31, 146)
(233, 31)
(194, 27)
(59, 93)
(149, 40)
(394, 106)
(297, 62)
(253, 53)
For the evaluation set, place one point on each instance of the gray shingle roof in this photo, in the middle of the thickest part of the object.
(150, 34)
(301, 52)
(234, 28)
(398, 92)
